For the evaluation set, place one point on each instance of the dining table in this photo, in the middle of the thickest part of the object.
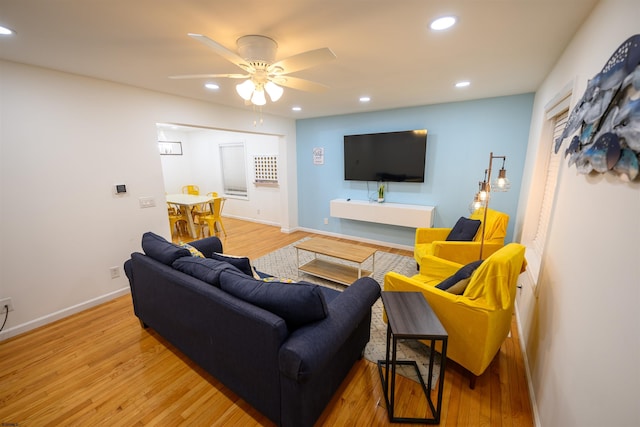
(188, 201)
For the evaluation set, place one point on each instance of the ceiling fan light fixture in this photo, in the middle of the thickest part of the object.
(246, 89)
(275, 92)
(258, 97)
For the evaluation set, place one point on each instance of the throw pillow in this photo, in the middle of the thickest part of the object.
(206, 269)
(192, 250)
(242, 263)
(277, 279)
(464, 230)
(297, 304)
(457, 283)
(158, 248)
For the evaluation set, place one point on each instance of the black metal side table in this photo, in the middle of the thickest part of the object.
(411, 317)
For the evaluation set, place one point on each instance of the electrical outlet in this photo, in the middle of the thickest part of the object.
(326, 221)
(115, 272)
(6, 301)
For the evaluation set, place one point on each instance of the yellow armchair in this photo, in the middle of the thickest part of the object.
(432, 241)
(479, 320)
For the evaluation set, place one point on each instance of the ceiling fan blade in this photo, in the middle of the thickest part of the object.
(300, 84)
(222, 51)
(302, 61)
(210, 76)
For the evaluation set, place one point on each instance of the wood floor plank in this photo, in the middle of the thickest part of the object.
(99, 367)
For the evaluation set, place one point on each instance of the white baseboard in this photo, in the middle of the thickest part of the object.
(49, 318)
(259, 221)
(523, 350)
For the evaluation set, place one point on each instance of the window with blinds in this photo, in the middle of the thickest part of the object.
(234, 175)
(553, 165)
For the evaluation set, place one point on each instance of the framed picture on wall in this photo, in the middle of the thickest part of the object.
(170, 148)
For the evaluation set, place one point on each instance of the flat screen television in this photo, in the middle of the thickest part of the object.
(390, 156)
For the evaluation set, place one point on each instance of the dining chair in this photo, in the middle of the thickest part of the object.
(203, 208)
(191, 189)
(213, 218)
(177, 219)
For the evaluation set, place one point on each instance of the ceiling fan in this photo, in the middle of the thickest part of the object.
(256, 56)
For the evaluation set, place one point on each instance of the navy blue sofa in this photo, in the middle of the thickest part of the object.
(286, 366)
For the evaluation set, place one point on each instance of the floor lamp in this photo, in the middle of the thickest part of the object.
(500, 184)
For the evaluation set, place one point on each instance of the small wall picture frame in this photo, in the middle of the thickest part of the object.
(318, 156)
(170, 148)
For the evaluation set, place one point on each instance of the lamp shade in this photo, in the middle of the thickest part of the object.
(245, 89)
(274, 91)
(501, 183)
(258, 97)
(485, 189)
(476, 203)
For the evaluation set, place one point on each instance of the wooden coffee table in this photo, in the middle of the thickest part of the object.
(337, 272)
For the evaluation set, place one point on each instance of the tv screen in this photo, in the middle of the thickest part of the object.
(389, 156)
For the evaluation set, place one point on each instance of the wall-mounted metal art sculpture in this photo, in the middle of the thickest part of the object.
(608, 118)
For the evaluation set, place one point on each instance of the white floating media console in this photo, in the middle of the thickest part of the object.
(383, 213)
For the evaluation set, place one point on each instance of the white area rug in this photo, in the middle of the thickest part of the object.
(282, 263)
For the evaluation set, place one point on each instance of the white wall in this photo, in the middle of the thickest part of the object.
(581, 327)
(200, 165)
(65, 140)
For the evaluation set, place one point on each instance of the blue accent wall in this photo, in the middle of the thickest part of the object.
(460, 138)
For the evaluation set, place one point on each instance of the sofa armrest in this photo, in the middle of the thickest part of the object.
(208, 245)
(428, 235)
(313, 346)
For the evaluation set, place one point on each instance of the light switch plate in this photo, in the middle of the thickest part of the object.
(147, 202)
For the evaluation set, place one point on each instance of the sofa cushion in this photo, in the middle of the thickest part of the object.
(457, 283)
(298, 304)
(206, 269)
(242, 263)
(464, 230)
(158, 248)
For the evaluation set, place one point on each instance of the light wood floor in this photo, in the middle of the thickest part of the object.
(99, 367)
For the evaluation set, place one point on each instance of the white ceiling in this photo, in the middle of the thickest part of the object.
(384, 48)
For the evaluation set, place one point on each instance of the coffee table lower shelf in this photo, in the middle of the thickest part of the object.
(340, 273)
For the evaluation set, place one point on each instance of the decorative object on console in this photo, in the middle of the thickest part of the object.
(482, 197)
(608, 118)
(381, 192)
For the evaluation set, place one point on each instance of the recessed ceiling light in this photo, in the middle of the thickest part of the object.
(443, 23)
(365, 99)
(212, 86)
(296, 108)
(463, 83)
(4, 31)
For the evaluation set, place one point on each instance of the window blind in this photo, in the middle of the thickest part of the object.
(234, 176)
(553, 165)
